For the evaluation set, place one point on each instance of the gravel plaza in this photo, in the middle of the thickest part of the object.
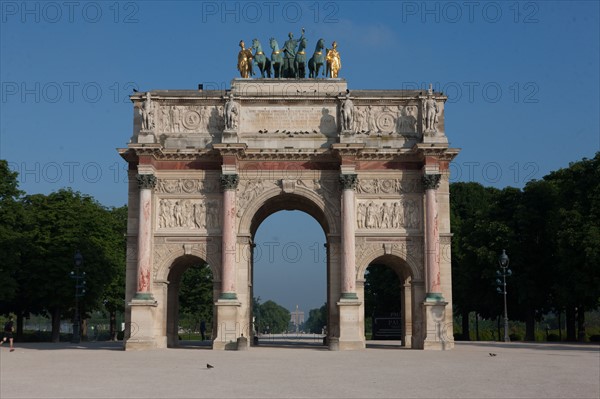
(301, 370)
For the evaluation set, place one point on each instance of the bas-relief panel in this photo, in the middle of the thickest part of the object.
(180, 207)
(163, 118)
(385, 214)
(186, 214)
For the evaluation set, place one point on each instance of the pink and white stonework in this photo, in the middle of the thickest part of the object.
(199, 190)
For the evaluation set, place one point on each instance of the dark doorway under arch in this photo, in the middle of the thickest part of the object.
(190, 306)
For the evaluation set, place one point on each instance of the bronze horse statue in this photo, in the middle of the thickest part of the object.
(300, 59)
(317, 60)
(264, 64)
(276, 58)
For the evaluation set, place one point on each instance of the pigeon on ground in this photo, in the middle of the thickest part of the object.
(492, 354)
(209, 366)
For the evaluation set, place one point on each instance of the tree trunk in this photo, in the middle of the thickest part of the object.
(84, 330)
(477, 327)
(581, 324)
(56, 324)
(466, 334)
(571, 333)
(530, 325)
(113, 326)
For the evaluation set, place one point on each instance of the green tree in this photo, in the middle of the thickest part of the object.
(196, 296)
(577, 277)
(57, 225)
(114, 293)
(272, 316)
(317, 320)
(11, 214)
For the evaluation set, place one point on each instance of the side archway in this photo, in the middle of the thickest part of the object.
(411, 286)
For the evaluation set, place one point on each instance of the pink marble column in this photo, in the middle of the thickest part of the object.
(432, 238)
(146, 183)
(229, 183)
(348, 182)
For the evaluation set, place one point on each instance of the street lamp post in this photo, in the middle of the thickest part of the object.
(506, 272)
(79, 278)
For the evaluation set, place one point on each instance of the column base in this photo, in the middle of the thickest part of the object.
(229, 328)
(349, 324)
(141, 332)
(436, 335)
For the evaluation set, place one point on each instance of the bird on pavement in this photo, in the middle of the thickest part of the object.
(209, 366)
(492, 354)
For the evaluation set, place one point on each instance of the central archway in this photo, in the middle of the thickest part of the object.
(289, 264)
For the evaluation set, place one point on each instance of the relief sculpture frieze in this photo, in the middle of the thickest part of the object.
(189, 214)
(187, 186)
(378, 214)
(190, 119)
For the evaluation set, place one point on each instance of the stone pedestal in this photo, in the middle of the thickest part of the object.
(141, 330)
(228, 329)
(434, 327)
(349, 137)
(350, 334)
(229, 136)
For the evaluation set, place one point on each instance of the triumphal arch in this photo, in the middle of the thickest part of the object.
(206, 167)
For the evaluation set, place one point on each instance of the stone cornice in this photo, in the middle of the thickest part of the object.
(231, 149)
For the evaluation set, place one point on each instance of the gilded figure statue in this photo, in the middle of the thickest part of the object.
(334, 64)
(245, 61)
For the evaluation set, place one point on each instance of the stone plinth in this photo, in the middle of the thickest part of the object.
(437, 336)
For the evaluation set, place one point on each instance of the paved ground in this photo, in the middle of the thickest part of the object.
(301, 369)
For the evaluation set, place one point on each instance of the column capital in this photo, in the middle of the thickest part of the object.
(348, 181)
(431, 181)
(146, 181)
(229, 181)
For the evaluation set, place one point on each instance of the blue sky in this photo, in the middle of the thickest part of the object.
(522, 79)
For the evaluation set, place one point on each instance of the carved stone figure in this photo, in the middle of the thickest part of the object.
(360, 118)
(232, 111)
(430, 112)
(371, 125)
(347, 111)
(361, 214)
(147, 111)
(245, 61)
(334, 63)
(199, 215)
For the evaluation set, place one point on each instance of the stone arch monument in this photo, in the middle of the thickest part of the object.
(207, 167)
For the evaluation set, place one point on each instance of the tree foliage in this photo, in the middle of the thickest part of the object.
(39, 235)
(551, 232)
(196, 296)
(271, 317)
(317, 320)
